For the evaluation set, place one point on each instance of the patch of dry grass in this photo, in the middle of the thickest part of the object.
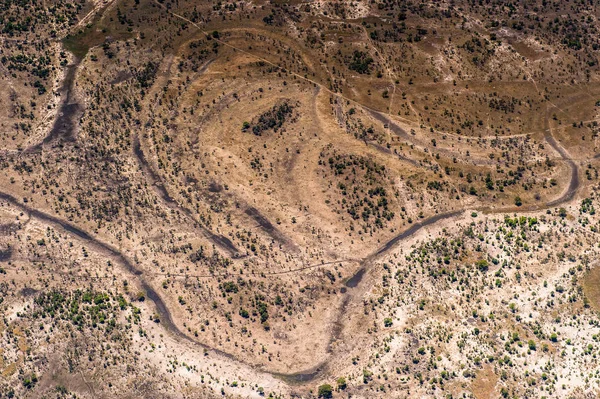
(591, 288)
(483, 386)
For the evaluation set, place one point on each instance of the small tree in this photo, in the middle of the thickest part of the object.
(518, 201)
(482, 265)
(325, 391)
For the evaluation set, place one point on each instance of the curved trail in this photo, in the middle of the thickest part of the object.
(220, 240)
(161, 190)
(574, 183)
(356, 279)
(335, 93)
(69, 112)
(115, 255)
(65, 126)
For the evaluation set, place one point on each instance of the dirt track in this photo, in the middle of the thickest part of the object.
(156, 181)
(69, 112)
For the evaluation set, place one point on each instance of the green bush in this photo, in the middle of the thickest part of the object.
(518, 201)
(325, 391)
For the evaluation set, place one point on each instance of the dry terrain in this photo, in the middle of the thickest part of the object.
(299, 199)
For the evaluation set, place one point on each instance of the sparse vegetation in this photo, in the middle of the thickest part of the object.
(195, 195)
